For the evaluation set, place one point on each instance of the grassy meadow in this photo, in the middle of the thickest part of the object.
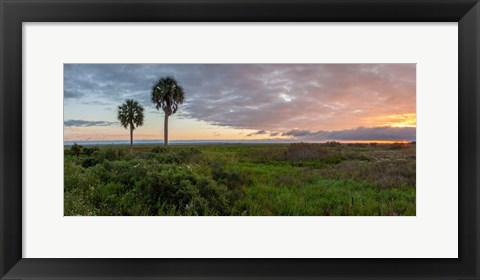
(300, 179)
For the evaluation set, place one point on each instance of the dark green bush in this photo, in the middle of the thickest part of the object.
(158, 149)
(89, 161)
(75, 150)
(191, 155)
(149, 187)
(332, 144)
(88, 151)
(168, 157)
(78, 150)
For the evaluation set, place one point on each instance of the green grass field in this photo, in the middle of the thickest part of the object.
(241, 179)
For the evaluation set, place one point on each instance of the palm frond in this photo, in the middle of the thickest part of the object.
(167, 95)
(130, 114)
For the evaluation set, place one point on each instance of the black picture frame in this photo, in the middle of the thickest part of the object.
(14, 12)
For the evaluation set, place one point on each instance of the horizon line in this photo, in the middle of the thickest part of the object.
(241, 140)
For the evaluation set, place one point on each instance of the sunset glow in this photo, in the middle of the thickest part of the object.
(403, 120)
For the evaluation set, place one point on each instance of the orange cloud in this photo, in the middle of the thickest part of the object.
(399, 120)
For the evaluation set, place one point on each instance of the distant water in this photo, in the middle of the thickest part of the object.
(200, 142)
(172, 142)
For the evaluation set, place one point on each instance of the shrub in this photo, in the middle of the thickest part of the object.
(397, 146)
(88, 151)
(147, 187)
(168, 157)
(176, 189)
(190, 155)
(75, 149)
(89, 162)
(332, 144)
(77, 178)
(358, 145)
(110, 154)
(113, 154)
(78, 150)
(158, 149)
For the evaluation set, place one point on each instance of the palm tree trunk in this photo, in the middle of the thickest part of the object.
(165, 131)
(131, 138)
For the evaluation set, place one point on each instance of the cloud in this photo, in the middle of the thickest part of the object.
(260, 132)
(98, 103)
(361, 133)
(270, 97)
(67, 93)
(112, 82)
(319, 96)
(297, 133)
(83, 123)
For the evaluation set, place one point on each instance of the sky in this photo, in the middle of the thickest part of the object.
(295, 102)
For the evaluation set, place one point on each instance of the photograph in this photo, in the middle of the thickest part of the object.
(239, 139)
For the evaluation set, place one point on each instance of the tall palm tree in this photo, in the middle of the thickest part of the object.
(167, 94)
(130, 114)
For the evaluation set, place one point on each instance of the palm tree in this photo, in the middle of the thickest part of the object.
(168, 95)
(130, 114)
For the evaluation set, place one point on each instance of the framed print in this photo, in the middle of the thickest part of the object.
(239, 139)
(263, 152)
